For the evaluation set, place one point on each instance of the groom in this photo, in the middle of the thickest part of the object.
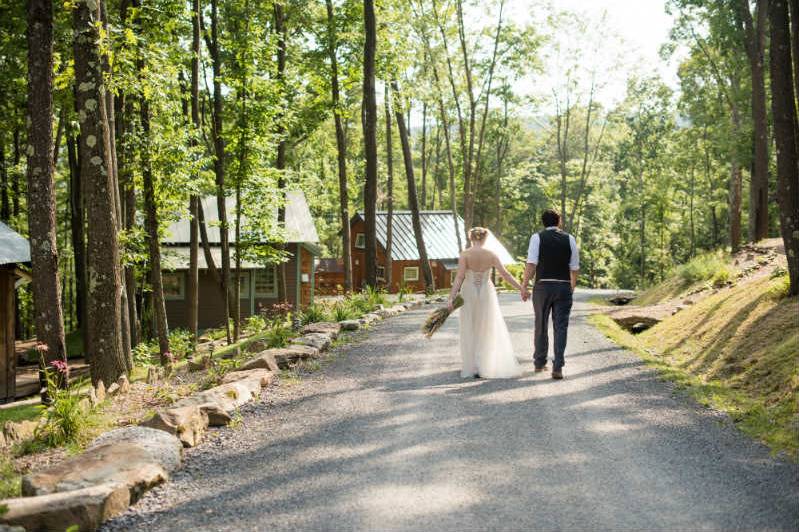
(554, 261)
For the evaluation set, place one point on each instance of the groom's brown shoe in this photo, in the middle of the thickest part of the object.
(557, 374)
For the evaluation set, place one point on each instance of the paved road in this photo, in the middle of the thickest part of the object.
(387, 436)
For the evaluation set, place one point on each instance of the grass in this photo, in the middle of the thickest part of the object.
(708, 268)
(10, 480)
(734, 351)
(20, 413)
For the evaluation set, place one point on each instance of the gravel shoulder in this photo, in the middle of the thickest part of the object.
(387, 436)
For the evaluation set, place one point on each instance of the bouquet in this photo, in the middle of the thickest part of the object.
(437, 318)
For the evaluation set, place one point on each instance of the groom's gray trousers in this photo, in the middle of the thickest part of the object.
(551, 298)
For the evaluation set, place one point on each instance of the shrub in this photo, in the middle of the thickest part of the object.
(780, 284)
(704, 267)
(312, 314)
(279, 336)
(721, 277)
(342, 310)
(181, 343)
(255, 324)
(70, 417)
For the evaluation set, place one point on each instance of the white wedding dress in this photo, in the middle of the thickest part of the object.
(485, 343)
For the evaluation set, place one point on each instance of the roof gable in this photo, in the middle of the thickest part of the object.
(438, 232)
(300, 226)
(13, 246)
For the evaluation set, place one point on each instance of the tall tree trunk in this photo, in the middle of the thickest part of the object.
(76, 224)
(15, 193)
(5, 204)
(41, 182)
(369, 124)
(754, 32)
(151, 215)
(793, 8)
(280, 158)
(423, 197)
(128, 197)
(341, 149)
(389, 192)
(413, 201)
(104, 283)
(194, 201)
(219, 161)
(783, 107)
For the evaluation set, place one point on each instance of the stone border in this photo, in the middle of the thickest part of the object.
(121, 465)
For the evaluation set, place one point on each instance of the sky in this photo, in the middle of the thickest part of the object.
(636, 29)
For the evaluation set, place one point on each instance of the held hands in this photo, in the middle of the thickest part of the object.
(450, 306)
(525, 293)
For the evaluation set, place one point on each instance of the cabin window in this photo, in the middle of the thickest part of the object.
(381, 273)
(360, 241)
(265, 282)
(244, 284)
(410, 273)
(174, 285)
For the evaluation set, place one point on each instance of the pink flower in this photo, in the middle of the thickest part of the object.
(42, 347)
(60, 366)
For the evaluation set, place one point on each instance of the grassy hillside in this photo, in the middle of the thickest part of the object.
(735, 349)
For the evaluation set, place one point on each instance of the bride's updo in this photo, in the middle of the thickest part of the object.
(478, 234)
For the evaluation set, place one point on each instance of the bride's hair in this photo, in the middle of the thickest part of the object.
(478, 234)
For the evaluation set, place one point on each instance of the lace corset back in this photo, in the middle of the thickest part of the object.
(477, 279)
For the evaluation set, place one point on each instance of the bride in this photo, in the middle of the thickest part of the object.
(485, 343)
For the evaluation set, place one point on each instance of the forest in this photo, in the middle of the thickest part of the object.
(119, 115)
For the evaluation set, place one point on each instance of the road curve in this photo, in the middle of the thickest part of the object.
(388, 436)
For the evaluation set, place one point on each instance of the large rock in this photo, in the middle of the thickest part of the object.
(188, 423)
(18, 431)
(350, 325)
(319, 341)
(217, 416)
(264, 360)
(228, 396)
(324, 327)
(86, 508)
(372, 317)
(264, 375)
(136, 457)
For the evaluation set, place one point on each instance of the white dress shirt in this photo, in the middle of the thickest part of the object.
(535, 244)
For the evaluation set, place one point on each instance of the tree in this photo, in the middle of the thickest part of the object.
(413, 200)
(783, 106)
(389, 189)
(369, 125)
(41, 184)
(341, 148)
(104, 286)
(194, 201)
(754, 32)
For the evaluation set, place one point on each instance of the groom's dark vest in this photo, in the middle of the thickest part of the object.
(554, 254)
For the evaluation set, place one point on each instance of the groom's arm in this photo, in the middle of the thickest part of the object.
(529, 273)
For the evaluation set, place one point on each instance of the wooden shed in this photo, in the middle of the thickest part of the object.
(258, 281)
(14, 250)
(441, 243)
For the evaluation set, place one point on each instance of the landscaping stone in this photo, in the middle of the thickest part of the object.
(86, 508)
(154, 374)
(124, 384)
(113, 389)
(188, 423)
(93, 397)
(217, 417)
(11, 528)
(99, 391)
(324, 327)
(289, 356)
(264, 360)
(228, 396)
(372, 317)
(199, 363)
(350, 325)
(266, 377)
(18, 431)
(318, 340)
(136, 457)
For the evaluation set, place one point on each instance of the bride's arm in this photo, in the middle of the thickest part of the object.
(456, 284)
(506, 274)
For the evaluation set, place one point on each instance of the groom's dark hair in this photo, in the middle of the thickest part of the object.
(550, 218)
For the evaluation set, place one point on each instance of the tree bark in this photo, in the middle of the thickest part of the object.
(389, 192)
(128, 196)
(369, 124)
(280, 158)
(105, 353)
(423, 198)
(785, 133)
(76, 224)
(41, 181)
(5, 204)
(754, 32)
(413, 201)
(341, 148)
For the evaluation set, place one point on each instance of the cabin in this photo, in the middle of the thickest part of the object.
(441, 244)
(14, 251)
(330, 277)
(258, 280)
